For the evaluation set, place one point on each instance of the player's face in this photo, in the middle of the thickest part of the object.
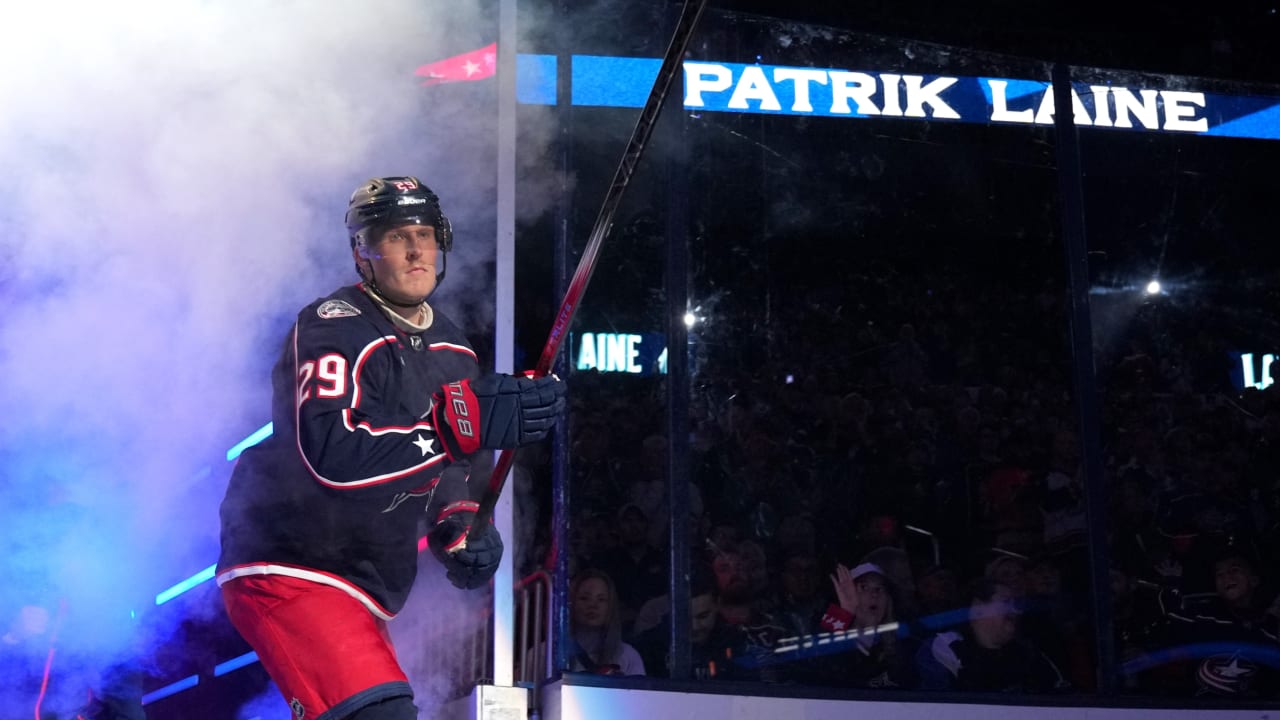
(403, 259)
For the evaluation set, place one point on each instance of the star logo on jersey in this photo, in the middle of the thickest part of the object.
(331, 309)
(425, 445)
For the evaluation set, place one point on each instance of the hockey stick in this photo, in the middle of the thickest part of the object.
(671, 64)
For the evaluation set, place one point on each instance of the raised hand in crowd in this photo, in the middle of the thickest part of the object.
(846, 589)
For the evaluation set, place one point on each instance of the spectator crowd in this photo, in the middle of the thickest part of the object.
(893, 460)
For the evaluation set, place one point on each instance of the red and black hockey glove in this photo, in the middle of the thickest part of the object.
(496, 411)
(468, 562)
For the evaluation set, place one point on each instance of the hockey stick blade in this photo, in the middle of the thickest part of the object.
(672, 62)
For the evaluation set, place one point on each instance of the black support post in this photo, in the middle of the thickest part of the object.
(561, 468)
(677, 292)
(1084, 378)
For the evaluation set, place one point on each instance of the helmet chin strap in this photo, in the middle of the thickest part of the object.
(371, 280)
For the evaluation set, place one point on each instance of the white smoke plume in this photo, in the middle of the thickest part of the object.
(175, 174)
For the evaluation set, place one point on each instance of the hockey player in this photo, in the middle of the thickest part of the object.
(377, 402)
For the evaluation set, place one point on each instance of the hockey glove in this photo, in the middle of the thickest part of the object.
(496, 411)
(468, 562)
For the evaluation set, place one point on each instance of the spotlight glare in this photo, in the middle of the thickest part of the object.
(689, 319)
(1153, 287)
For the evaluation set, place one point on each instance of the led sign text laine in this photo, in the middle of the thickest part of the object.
(710, 86)
(621, 352)
(1264, 378)
(794, 90)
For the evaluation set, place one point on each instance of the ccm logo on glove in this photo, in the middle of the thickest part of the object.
(497, 411)
(461, 413)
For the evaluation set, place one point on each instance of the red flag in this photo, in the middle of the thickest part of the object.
(474, 65)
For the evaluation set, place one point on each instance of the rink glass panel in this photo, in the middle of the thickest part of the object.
(882, 374)
(880, 369)
(1189, 416)
(613, 354)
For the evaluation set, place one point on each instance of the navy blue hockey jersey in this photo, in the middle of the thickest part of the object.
(337, 492)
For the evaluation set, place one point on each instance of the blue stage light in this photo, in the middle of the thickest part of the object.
(171, 689)
(258, 436)
(185, 585)
(235, 664)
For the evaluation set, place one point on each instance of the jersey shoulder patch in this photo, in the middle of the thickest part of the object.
(331, 309)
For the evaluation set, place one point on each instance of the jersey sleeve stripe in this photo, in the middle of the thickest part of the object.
(385, 340)
(347, 423)
(400, 429)
(376, 479)
(455, 348)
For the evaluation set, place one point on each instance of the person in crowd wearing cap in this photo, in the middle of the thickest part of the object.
(1008, 570)
(865, 620)
(378, 402)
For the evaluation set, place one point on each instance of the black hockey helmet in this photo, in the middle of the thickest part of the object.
(382, 202)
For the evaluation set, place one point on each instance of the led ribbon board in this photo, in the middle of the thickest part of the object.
(634, 353)
(624, 82)
(1248, 378)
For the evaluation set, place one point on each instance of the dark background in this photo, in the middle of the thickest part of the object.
(1231, 39)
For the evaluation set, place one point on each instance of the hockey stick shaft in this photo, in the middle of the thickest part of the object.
(671, 64)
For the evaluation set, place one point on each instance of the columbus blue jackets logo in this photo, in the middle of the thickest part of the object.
(331, 309)
(1226, 674)
(296, 706)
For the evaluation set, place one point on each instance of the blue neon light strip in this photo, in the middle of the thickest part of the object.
(207, 574)
(613, 81)
(248, 658)
(185, 585)
(164, 692)
(536, 79)
(258, 436)
(1264, 123)
(625, 82)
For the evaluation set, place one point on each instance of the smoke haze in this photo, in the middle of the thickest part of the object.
(175, 177)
